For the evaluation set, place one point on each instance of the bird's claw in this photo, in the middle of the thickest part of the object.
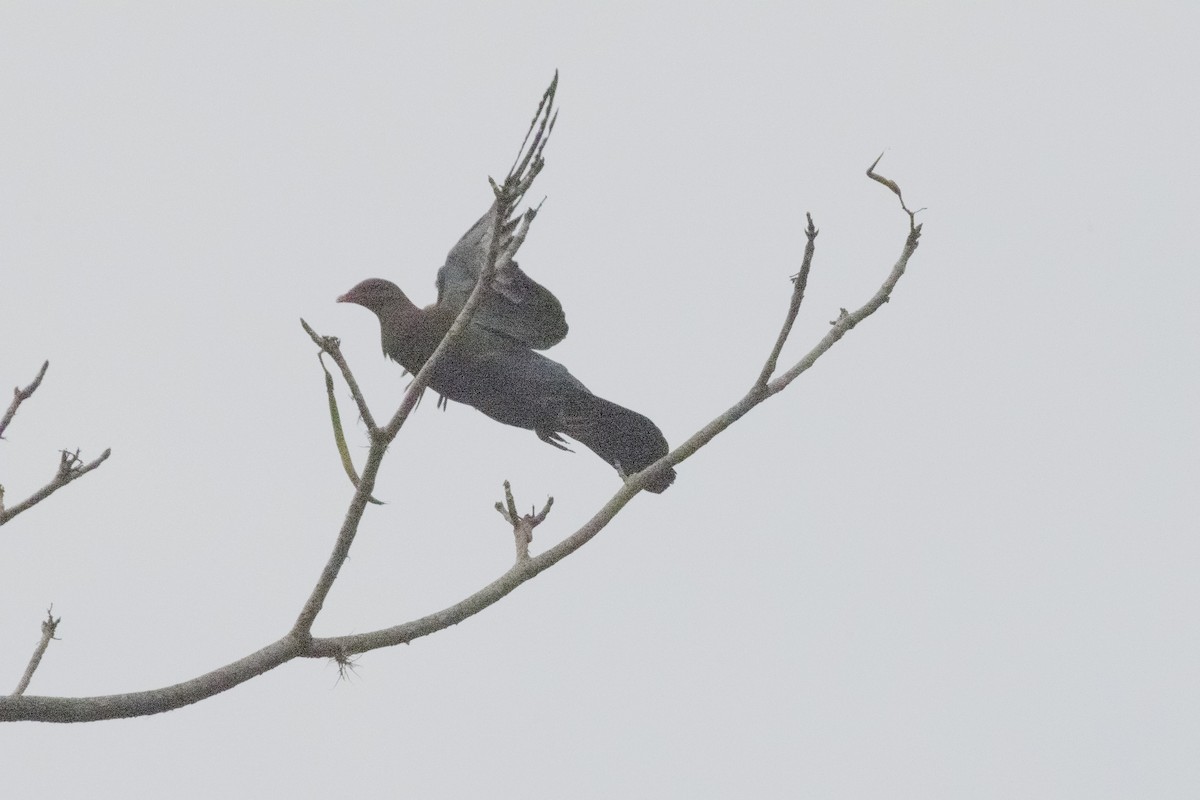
(552, 438)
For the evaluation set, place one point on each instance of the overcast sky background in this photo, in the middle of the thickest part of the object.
(956, 559)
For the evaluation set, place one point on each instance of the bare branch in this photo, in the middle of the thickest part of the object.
(891, 184)
(341, 549)
(757, 393)
(847, 320)
(49, 626)
(155, 701)
(21, 395)
(800, 282)
(522, 525)
(508, 196)
(333, 346)
(70, 468)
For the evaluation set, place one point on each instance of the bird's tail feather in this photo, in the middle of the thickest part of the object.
(623, 438)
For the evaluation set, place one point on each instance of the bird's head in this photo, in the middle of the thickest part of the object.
(377, 295)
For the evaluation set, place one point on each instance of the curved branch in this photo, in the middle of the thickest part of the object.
(300, 643)
(155, 701)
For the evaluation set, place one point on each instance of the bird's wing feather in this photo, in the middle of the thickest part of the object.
(515, 306)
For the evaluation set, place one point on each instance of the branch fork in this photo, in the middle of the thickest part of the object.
(522, 525)
(70, 465)
(299, 641)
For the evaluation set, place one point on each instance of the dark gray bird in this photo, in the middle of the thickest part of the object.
(493, 366)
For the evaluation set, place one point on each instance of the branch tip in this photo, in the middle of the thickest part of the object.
(799, 284)
(522, 525)
(895, 187)
(21, 395)
(49, 627)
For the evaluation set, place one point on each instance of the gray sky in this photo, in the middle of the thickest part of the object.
(957, 559)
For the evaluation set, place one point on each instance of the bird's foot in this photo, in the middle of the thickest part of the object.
(552, 438)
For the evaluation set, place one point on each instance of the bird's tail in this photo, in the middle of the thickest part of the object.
(623, 438)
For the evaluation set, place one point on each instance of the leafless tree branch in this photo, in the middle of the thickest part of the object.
(20, 396)
(49, 626)
(299, 642)
(522, 525)
(333, 346)
(799, 284)
(70, 465)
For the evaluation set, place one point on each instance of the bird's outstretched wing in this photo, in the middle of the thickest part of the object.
(515, 306)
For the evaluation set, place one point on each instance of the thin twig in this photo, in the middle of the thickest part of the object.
(70, 468)
(848, 319)
(21, 395)
(49, 626)
(522, 525)
(800, 282)
(757, 393)
(332, 346)
(339, 435)
(895, 187)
